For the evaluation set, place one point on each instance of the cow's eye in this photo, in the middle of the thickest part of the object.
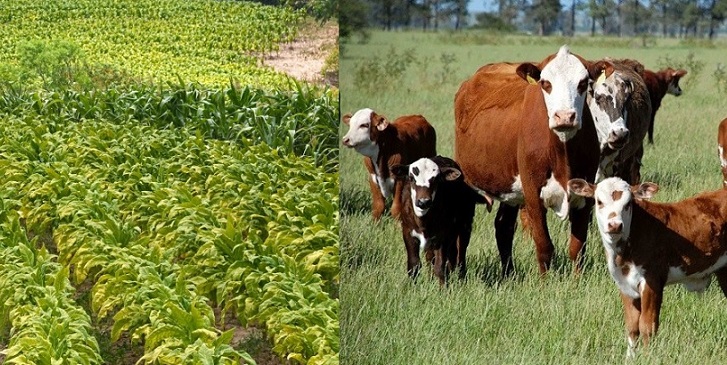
(546, 85)
(364, 126)
(599, 203)
(582, 86)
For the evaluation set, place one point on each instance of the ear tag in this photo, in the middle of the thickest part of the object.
(531, 80)
(602, 77)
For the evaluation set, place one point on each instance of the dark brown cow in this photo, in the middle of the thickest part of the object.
(621, 109)
(437, 210)
(650, 245)
(385, 144)
(515, 138)
(722, 148)
(660, 83)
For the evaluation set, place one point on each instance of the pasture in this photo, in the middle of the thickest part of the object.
(562, 318)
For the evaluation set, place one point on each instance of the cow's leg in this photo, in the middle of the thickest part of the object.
(651, 129)
(651, 297)
(413, 263)
(440, 265)
(721, 275)
(579, 219)
(464, 233)
(505, 221)
(396, 204)
(539, 229)
(378, 203)
(632, 312)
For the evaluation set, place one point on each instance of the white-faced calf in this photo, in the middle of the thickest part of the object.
(386, 144)
(436, 215)
(650, 245)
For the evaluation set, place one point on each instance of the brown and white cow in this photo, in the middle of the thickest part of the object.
(722, 149)
(384, 145)
(660, 83)
(621, 108)
(437, 210)
(650, 245)
(521, 132)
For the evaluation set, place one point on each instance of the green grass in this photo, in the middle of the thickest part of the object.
(560, 319)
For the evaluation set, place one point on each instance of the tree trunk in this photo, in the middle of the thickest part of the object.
(593, 26)
(573, 19)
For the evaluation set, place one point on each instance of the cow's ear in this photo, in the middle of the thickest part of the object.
(528, 72)
(380, 121)
(347, 119)
(400, 172)
(450, 173)
(679, 73)
(645, 190)
(600, 68)
(581, 187)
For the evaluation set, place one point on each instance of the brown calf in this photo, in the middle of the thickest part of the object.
(660, 83)
(386, 144)
(521, 132)
(650, 245)
(437, 210)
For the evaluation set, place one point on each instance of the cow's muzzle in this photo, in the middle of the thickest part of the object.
(617, 138)
(565, 120)
(424, 203)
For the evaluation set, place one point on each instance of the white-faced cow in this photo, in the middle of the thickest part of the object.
(521, 132)
(660, 83)
(650, 245)
(386, 144)
(620, 105)
(722, 149)
(438, 207)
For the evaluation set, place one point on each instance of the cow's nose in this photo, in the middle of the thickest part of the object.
(424, 203)
(615, 227)
(618, 138)
(347, 142)
(565, 118)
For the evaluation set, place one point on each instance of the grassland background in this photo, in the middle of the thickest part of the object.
(562, 318)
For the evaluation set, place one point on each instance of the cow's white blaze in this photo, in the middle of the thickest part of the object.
(613, 197)
(605, 123)
(423, 171)
(564, 72)
(555, 197)
(421, 238)
(359, 135)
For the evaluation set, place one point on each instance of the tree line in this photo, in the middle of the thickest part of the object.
(667, 18)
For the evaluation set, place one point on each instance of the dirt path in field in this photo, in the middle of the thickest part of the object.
(305, 57)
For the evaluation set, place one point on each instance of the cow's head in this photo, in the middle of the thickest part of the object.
(607, 101)
(614, 204)
(424, 176)
(563, 81)
(672, 77)
(363, 129)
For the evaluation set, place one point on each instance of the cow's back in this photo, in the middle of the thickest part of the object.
(488, 107)
(417, 138)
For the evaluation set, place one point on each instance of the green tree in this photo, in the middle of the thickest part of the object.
(353, 18)
(545, 14)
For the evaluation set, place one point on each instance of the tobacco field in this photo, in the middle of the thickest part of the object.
(146, 219)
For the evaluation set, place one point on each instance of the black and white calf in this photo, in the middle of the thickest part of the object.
(437, 209)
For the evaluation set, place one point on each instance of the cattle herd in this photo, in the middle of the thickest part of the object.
(564, 134)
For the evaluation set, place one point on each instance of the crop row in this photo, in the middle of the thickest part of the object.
(207, 41)
(300, 121)
(165, 222)
(46, 326)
